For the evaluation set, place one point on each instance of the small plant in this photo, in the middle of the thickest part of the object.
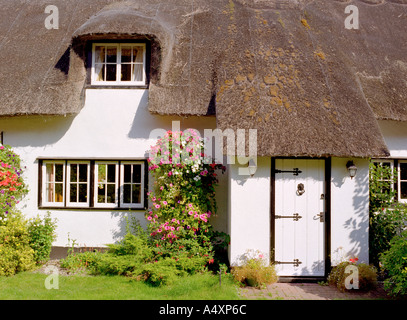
(255, 271)
(394, 262)
(367, 275)
(42, 233)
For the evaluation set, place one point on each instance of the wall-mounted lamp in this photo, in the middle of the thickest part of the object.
(252, 166)
(351, 168)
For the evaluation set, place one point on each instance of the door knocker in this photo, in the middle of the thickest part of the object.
(300, 189)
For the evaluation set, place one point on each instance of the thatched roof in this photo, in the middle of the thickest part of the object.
(287, 68)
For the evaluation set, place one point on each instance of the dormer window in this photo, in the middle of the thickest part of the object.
(119, 64)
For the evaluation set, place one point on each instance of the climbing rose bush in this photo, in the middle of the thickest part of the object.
(183, 198)
(12, 186)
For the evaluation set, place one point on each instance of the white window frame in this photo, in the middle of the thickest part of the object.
(399, 182)
(96, 185)
(381, 161)
(68, 183)
(122, 183)
(45, 182)
(118, 82)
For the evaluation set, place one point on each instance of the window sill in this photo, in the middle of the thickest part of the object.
(91, 208)
(94, 86)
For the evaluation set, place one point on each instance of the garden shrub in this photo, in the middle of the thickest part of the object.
(255, 271)
(42, 234)
(367, 275)
(80, 260)
(15, 252)
(162, 272)
(387, 217)
(394, 262)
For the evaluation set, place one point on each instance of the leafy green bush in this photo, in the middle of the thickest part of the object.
(42, 233)
(387, 217)
(161, 272)
(367, 275)
(16, 255)
(255, 271)
(79, 260)
(394, 262)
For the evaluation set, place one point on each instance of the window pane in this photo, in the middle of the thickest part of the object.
(403, 191)
(126, 54)
(83, 192)
(58, 192)
(136, 193)
(111, 54)
(50, 172)
(101, 194)
(101, 173)
(137, 72)
(83, 173)
(111, 72)
(137, 173)
(59, 172)
(100, 70)
(137, 54)
(111, 193)
(74, 173)
(126, 72)
(50, 192)
(99, 54)
(73, 192)
(126, 193)
(403, 171)
(127, 173)
(111, 173)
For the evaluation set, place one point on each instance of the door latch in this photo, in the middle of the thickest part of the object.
(321, 216)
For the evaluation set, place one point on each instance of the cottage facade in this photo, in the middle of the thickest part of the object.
(84, 95)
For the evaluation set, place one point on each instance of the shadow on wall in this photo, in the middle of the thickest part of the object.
(35, 131)
(144, 121)
(125, 221)
(357, 226)
(359, 223)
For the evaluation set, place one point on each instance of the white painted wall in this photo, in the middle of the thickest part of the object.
(395, 133)
(113, 123)
(349, 211)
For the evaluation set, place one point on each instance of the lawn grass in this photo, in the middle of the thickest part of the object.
(31, 286)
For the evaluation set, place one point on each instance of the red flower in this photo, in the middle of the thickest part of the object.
(210, 261)
(353, 260)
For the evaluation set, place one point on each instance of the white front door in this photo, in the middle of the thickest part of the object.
(299, 217)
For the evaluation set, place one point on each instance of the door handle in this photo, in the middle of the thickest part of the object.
(321, 217)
